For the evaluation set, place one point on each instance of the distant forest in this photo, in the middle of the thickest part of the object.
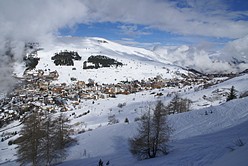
(98, 61)
(65, 58)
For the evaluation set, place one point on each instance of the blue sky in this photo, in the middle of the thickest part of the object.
(164, 31)
(153, 36)
(133, 22)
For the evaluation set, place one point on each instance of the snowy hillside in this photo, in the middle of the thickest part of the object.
(124, 83)
(198, 139)
(207, 134)
(138, 63)
(216, 133)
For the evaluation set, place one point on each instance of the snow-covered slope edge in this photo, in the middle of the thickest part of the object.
(216, 132)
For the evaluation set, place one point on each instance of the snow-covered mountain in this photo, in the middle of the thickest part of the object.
(206, 135)
(138, 63)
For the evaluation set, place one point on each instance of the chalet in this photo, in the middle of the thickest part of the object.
(102, 96)
(89, 65)
(40, 73)
(63, 84)
(64, 109)
(57, 90)
(53, 75)
(172, 84)
(85, 95)
(80, 84)
(43, 85)
(95, 97)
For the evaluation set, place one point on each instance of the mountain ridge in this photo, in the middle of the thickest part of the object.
(138, 63)
(177, 57)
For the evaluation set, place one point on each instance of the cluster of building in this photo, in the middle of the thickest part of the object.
(37, 89)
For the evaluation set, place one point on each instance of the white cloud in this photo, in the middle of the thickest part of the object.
(34, 19)
(132, 30)
(237, 49)
(24, 21)
(200, 18)
(201, 60)
(132, 42)
(29, 20)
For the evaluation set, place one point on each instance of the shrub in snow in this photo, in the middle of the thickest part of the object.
(112, 120)
(31, 62)
(126, 120)
(85, 153)
(244, 94)
(10, 142)
(137, 119)
(82, 131)
(239, 142)
(73, 79)
(178, 105)
(120, 105)
(100, 163)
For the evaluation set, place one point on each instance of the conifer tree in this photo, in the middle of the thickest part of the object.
(232, 95)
